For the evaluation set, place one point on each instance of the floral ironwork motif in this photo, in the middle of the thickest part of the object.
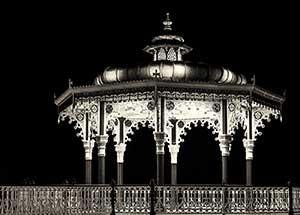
(151, 105)
(216, 107)
(170, 105)
(109, 108)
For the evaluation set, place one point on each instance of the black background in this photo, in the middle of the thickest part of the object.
(45, 44)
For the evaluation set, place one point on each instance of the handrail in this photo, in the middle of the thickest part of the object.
(136, 199)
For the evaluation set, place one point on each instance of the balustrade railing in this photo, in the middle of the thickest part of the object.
(130, 199)
(296, 200)
(54, 200)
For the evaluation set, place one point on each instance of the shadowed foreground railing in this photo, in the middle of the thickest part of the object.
(183, 199)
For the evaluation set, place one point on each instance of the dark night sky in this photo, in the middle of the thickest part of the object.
(47, 44)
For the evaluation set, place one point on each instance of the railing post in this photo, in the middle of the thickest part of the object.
(113, 197)
(152, 197)
(224, 199)
(290, 186)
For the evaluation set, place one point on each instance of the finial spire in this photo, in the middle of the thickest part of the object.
(167, 23)
(70, 83)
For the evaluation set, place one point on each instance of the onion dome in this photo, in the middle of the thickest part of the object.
(167, 65)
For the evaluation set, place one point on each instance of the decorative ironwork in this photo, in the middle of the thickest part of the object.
(296, 199)
(257, 115)
(171, 55)
(128, 123)
(183, 199)
(231, 107)
(161, 54)
(109, 108)
(79, 117)
(180, 124)
(94, 108)
(151, 105)
(170, 105)
(261, 114)
(216, 107)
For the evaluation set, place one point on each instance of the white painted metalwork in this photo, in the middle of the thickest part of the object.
(184, 199)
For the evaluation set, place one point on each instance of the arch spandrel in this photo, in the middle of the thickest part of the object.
(261, 113)
(84, 112)
(187, 112)
(237, 112)
(69, 115)
(135, 113)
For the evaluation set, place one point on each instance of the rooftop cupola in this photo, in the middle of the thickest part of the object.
(167, 46)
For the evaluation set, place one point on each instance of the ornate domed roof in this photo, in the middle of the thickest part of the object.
(171, 71)
(167, 65)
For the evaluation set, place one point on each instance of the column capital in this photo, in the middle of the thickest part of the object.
(120, 149)
(225, 143)
(101, 144)
(88, 146)
(160, 138)
(249, 146)
(174, 149)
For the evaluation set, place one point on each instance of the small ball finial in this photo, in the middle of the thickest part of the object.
(167, 23)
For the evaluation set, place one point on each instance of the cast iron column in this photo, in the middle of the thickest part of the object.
(249, 146)
(160, 151)
(174, 149)
(88, 149)
(101, 145)
(225, 143)
(120, 149)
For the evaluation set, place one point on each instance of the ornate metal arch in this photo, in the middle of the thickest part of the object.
(134, 112)
(202, 109)
(63, 116)
(261, 113)
(85, 113)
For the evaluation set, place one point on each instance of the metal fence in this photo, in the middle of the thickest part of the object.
(129, 199)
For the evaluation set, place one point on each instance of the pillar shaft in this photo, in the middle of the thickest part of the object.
(225, 146)
(249, 147)
(249, 172)
(224, 169)
(101, 146)
(120, 173)
(174, 149)
(160, 172)
(88, 149)
(173, 174)
(88, 171)
(160, 157)
(101, 170)
(120, 149)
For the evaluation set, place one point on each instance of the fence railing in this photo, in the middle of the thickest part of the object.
(129, 199)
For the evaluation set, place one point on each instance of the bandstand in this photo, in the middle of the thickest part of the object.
(167, 94)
